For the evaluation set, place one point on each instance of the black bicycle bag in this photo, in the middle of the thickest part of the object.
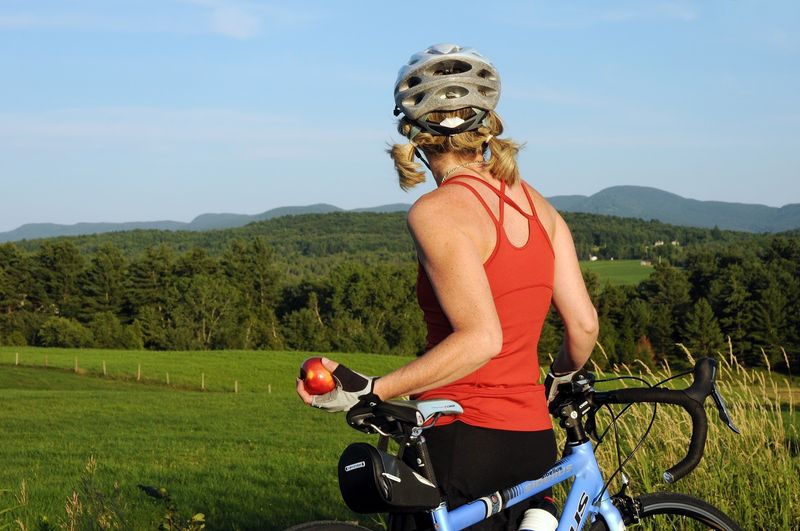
(373, 481)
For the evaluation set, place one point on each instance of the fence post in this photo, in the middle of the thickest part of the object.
(236, 386)
(139, 372)
(269, 389)
(203, 381)
(105, 373)
(17, 359)
(76, 364)
(45, 361)
(167, 378)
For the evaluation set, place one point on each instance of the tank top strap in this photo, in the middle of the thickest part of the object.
(501, 193)
(518, 208)
(503, 199)
(476, 194)
(530, 199)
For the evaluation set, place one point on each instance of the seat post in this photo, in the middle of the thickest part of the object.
(418, 458)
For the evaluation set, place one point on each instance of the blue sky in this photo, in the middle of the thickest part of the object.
(166, 109)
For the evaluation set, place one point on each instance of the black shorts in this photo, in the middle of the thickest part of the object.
(471, 462)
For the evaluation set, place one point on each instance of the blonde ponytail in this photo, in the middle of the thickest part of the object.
(502, 163)
(500, 154)
(409, 171)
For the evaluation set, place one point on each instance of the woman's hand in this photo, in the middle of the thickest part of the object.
(351, 388)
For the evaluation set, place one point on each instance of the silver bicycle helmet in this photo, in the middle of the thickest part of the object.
(446, 77)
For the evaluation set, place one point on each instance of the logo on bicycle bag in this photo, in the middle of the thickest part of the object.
(360, 464)
(581, 509)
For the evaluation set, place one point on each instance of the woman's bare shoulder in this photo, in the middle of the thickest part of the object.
(548, 215)
(443, 207)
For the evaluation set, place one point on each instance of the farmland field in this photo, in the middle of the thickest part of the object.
(618, 272)
(259, 459)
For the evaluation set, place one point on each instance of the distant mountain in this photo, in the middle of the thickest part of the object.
(33, 231)
(228, 221)
(651, 203)
(623, 201)
(202, 222)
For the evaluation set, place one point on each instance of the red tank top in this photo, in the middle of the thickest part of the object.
(505, 393)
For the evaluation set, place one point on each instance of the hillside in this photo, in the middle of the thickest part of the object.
(368, 235)
(651, 203)
(623, 201)
(202, 222)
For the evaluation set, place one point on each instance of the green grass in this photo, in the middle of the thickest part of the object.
(253, 460)
(618, 272)
(260, 459)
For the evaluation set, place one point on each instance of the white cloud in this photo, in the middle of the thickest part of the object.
(241, 19)
(235, 22)
(229, 18)
(571, 16)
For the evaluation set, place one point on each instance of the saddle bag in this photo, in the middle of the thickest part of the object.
(373, 481)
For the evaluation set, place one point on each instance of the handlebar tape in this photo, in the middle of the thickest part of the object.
(690, 399)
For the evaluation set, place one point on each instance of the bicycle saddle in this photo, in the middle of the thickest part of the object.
(414, 413)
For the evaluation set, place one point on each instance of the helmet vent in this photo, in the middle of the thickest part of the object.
(413, 82)
(486, 91)
(452, 92)
(485, 74)
(415, 100)
(446, 68)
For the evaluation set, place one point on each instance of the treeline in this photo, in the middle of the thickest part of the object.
(749, 297)
(345, 282)
(166, 301)
(300, 241)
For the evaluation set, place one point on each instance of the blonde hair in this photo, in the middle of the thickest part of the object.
(502, 163)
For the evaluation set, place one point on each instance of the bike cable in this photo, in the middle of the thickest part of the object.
(613, 424)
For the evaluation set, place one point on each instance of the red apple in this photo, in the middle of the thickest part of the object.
(316, 378)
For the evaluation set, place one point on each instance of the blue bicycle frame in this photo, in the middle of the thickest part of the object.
(583, 500)
(587, 499)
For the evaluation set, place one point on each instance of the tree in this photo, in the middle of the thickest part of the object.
(208, 301)
(701, 332)
(108, 332)
(730, 300)
(153, 279)
(57, 270)
(251, 268)
(16, 282)
(702, 268)
(64, 332)
(667, 293)
(768, 330)
(304, 329)
(103, 282)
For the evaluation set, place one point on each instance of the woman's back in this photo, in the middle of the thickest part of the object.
(505, 393)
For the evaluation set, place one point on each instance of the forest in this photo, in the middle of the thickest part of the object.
(344, 282)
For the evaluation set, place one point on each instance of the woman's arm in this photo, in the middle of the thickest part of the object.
(452, 259)
(572, 302)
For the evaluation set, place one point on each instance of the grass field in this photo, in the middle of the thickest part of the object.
(618, 272)
(259, 459)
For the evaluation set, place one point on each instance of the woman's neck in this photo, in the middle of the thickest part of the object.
(445, 165)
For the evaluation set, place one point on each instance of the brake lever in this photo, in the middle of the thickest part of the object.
(724, 415)
(590, 426)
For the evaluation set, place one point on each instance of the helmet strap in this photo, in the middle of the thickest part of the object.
(415, 130)
(418, 153)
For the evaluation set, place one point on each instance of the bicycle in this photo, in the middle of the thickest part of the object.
(372, 480)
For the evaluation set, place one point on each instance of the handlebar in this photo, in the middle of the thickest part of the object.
(575, 399)
(691, 399)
